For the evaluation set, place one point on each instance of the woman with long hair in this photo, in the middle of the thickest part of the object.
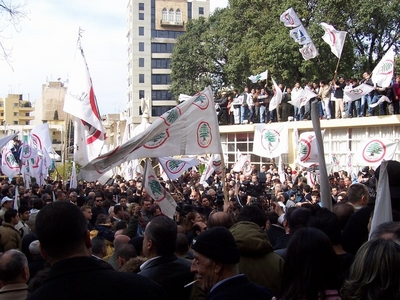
(375, 272)
(311, 267)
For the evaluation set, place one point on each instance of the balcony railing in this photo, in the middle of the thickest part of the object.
(172, 23)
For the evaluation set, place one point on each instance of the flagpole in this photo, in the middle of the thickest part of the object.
(337, 67)
(226, 200)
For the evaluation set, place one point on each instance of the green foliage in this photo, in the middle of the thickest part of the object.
(248, 38)
(64, 170)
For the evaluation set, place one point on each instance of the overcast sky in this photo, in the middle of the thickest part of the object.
(43, 48)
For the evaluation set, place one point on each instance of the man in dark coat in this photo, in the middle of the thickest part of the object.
(215, 263)
(65, 243)
(163, 266)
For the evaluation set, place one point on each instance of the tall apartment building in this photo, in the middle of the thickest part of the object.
(153, 27)
(51, 103)
(14, 110)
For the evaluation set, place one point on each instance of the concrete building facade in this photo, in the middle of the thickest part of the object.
(14, 110)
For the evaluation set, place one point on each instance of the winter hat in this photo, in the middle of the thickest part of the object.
(218, 244)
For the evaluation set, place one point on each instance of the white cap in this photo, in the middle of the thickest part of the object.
(5, 199)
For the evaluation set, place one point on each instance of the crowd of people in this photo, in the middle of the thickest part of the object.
(238, 237)
(252, 105)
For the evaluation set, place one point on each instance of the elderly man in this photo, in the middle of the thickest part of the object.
(14, 274)
(215, 263)
(74, 273)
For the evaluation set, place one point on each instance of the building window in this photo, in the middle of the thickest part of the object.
(171, 17)
(161, 63)
(141, 31)
(15, 122)
(161, 95)
(141, 62)
(141, 78)
(141, 16)
(141, 46)
(15, 114)
(157, 111)
(201, 10)
(178, 16)
(141, 94)
(164, 15)
(141, 6)
(161, 79)
(162, 47)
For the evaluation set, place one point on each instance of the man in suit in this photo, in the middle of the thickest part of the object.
(74, 274)
(163, 266)
(215, 263)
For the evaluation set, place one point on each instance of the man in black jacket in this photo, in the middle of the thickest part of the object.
(75, 274)
(163, 266)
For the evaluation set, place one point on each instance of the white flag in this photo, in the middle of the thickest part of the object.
(73, 182)
(80, 101)
(157, 192)
(300, 35)
(9, 165)
(4, 140)
(302, 98)
(354, 93)
(334, 38)
(383, 204)
(308, 51)
(277, 98)
(270, 140)
(290, 18)
(381, 100)
(16, 198)
(375, 150)
(259, 77)
(307, 148)
(175, 167)
(40, 135)
(382, 75)
(349, 163)
(214, 164)
(243, 165)
(281, 170)
(191, 128)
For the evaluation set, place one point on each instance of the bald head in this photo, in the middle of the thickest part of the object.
(220, 218)
(120, 240)
(13, 267)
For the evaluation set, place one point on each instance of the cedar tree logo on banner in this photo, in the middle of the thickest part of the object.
(157, 141)
(175, 166)
(202, 102)
(386, 68)
(288, 18)
(356, 91)
(157, 190)
(374, 151)
(314, 174)
(10, 160)
(307, 52)
(171, 116)
(270, 139)
(204, 137)
(304, 149)
(247, 167)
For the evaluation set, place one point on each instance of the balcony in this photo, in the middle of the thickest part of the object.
(172, 24)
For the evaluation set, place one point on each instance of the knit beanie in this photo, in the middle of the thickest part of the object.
(218, 244)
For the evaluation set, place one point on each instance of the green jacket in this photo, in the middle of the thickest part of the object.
(10, 237)
(257, 258)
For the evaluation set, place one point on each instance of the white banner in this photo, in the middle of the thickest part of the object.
(354, 93)
(290, 18)
(308, 51)
(300, 35)
(277, 98)
(158, 193)
(174, 167)
(382, 75)
(270, 140)
(374, 150)
(334, 38)
(191, 128)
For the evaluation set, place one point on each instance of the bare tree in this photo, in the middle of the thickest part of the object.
(11, 14)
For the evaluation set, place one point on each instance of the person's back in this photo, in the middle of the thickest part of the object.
(74, 274)
(163, 266)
